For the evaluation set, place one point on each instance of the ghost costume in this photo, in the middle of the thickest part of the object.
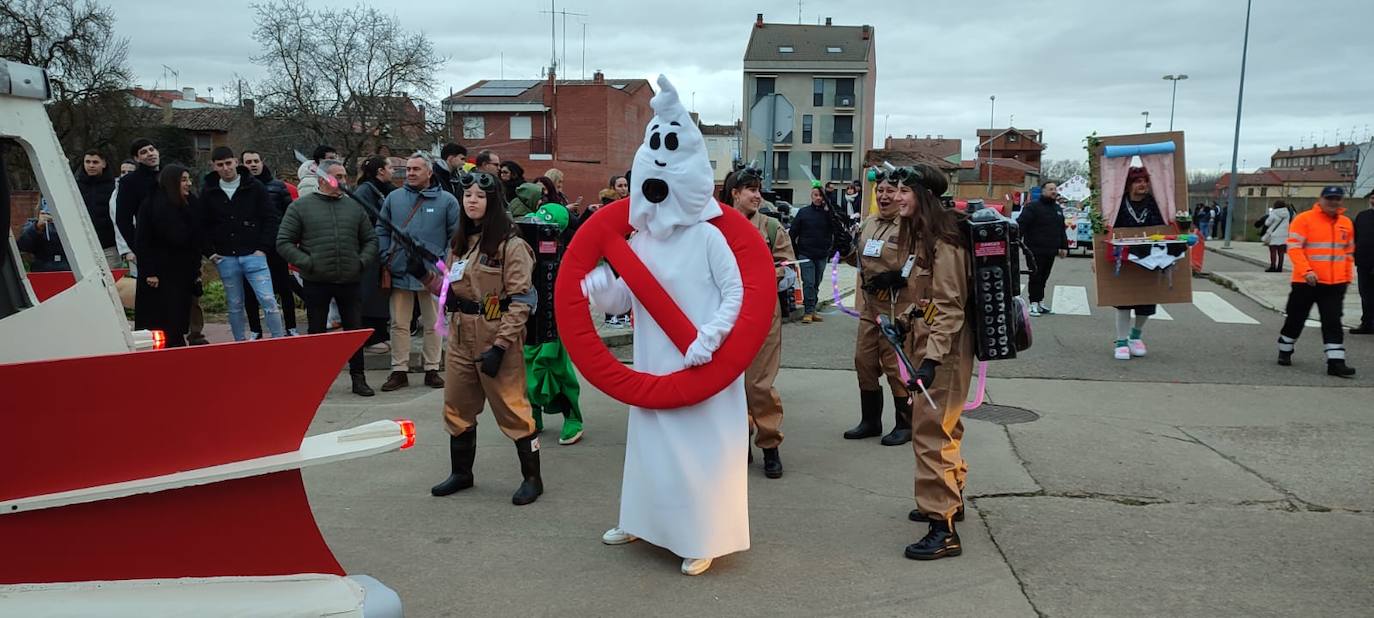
(685, 486)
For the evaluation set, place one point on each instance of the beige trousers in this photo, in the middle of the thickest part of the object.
(402, 307)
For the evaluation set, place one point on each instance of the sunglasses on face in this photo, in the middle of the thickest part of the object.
(483, 180)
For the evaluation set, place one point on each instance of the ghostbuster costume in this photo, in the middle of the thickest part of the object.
(685, 481)
(490, 300)
(552, 384)
(880, 256)
(765, 405)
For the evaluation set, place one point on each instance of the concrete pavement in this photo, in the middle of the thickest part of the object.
(1201, 480)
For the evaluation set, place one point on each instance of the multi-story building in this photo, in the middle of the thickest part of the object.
(828, 73)
(588, 129)
(949, 149)
(1340, 158)
(1021, 145)
(722, 147)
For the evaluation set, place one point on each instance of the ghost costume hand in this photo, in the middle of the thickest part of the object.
(599, 279)
(699, 353)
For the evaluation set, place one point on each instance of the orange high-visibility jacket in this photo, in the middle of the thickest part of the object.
(1322, 244)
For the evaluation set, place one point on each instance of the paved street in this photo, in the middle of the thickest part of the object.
(1201, 480)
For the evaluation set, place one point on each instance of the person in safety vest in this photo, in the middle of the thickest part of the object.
(1321, 243)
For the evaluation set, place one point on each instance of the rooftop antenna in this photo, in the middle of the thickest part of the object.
(176, 76)
(799, 11)
(553, 13)
(584, 50)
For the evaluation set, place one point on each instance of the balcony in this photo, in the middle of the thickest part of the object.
(843, 137)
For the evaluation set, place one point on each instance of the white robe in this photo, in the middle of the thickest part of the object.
(686, 484)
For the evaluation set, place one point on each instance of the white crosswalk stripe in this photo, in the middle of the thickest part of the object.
(1071, 300)
(1219, 310)
(1161, 314)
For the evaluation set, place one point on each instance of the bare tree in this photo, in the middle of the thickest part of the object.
(88, 66)
(353, 78)
(1063, 169)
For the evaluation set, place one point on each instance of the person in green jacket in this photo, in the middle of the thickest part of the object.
(329, 237)
(552, 385)
(526, 201)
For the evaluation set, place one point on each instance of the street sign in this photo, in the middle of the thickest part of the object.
(781, 112)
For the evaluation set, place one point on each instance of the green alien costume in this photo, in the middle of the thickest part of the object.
(551, 383)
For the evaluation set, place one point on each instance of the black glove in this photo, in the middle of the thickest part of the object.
(491, 360)
(925, 374)
(416, 268)
(888, 280)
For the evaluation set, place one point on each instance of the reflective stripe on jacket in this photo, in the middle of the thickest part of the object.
(1323, 245)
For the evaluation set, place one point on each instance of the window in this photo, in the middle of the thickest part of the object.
(1264, 191)
(780, 165)
(713, 164)
(203, 142)
(1012, 137)
(763, 86)
(844, 92)
(834, 50)
(520, 127)
(844, 130)
(842, 166)
(818, 92)
(816, 165)
(785, 49)
(1250, 191)
(807, 126)
(474, 127)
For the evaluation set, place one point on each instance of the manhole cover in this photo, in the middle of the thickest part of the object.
(1002, 415)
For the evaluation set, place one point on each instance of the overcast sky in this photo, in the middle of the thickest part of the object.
(1068, 67)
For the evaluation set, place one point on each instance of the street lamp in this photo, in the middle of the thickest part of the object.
(1235, 143)
(1146, 114)
(987, 146)
(1173, 97)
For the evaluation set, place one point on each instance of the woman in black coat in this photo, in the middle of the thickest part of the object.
(169, 248)
(374, 183)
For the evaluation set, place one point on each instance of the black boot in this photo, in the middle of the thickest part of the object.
(1337, 367)
(360, 386)
(917, 516)
(871, 416)
(1363, 329)
(533, 485)
(461, 451)
(1285, 358)
(901, 432)
(772, 464)
(942, 541)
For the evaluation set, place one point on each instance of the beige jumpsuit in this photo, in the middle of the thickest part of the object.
(873, 356)
(937, 330)
(466, 388)
(765, 405)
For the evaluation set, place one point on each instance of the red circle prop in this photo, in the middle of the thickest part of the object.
(605, 235)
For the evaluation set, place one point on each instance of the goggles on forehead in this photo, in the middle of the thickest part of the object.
(901, 175)
(483, 180)
(748, 173)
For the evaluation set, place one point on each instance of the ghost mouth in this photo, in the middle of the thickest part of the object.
(655, 190)
(660, 163)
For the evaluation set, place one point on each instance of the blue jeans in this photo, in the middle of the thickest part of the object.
(812, 274)
(233, 270)
(1206, 228)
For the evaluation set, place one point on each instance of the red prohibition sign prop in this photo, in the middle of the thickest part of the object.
(604, 235)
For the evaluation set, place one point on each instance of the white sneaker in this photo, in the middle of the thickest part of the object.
(1035, 309)
(291, 332)
(381, 347)
(1123, 353)
(1044, 310)
(695, 566)
(616, 536)
(252, 336)
(1137, 347)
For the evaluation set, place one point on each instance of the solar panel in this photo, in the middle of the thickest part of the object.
(503, 88)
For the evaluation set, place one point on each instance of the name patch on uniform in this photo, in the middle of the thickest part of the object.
(984, 249)
(906, 269)
(455, 272)
(873, 248)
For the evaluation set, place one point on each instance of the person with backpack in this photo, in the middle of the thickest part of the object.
(741, 191)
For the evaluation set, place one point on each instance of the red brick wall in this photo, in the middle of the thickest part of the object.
(22, 206)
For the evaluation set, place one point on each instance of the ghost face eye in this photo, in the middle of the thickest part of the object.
(671, 141)
(654, 141)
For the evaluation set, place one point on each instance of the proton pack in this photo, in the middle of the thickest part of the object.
(1000, 322)
(545, 239)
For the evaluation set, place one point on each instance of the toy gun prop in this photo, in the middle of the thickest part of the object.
(894, 335)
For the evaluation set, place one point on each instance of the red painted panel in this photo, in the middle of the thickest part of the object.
(82, 422)
(255, 526)
(47, 285)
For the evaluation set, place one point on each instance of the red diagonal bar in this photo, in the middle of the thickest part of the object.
(651, 294)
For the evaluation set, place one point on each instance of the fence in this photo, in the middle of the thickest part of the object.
(1251, 209)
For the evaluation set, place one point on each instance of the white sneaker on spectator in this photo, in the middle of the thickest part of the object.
(252, 336)
(291, 332)
(1035, 309)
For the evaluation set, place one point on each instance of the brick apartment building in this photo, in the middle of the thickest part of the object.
(588, 129)
(1019, 144)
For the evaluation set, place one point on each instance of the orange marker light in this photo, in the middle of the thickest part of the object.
(159, 339)
(407, 430)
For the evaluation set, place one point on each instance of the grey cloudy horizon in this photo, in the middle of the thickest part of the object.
(1068, 68)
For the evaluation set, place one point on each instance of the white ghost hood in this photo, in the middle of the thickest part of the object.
(672, 168)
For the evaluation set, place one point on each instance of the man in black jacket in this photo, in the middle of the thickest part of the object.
(278, 198)
(1364, 267)
(811, 234)
(241, 228)
(97, 185)
(1043, 231)
(135, 187)
(449, 167)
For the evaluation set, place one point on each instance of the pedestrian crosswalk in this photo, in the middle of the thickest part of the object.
(1073, 300)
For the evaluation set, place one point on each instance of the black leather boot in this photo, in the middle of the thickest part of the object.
(871, 416)
(533, 485)
(942, 541)
(360, 386)
(901, 432)
(1338, 368)
(772, 464)
(461, 451)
